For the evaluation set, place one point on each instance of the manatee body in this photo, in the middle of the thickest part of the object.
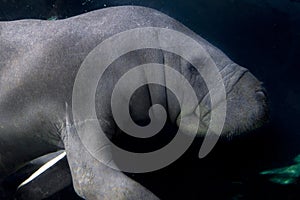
(39, 61)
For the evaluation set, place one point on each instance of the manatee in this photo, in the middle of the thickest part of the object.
(39, 62)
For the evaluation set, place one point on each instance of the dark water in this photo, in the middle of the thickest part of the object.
(263, 36)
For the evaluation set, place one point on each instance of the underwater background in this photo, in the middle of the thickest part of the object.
(261, 35)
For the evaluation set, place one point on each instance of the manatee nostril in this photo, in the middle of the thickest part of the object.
(260, 95)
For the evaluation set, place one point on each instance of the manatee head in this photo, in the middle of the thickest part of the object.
(246, 104)
(245, 96)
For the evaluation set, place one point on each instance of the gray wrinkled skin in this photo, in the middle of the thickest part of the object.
(38, 65)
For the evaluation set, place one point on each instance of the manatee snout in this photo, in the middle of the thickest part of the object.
(246, 106)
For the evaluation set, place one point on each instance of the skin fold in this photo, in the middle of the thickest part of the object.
(39, 61)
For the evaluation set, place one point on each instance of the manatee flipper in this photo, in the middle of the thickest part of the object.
(25, 175)
(43, 184)
(94, 180)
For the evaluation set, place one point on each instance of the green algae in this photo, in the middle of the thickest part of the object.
(52, 18)
(285, 175)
